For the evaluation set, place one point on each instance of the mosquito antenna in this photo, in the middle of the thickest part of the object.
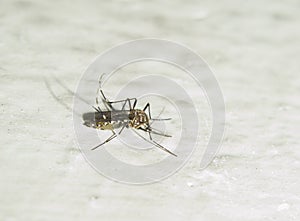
(155, 144)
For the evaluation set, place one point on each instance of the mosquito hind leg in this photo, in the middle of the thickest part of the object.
(114, 135)
(97, 108)
(106, 102)
(150, 130)
(109, 103)
(104, 99)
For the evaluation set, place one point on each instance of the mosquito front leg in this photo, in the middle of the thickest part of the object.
(149, 130)
(155, 143)
(147, 107)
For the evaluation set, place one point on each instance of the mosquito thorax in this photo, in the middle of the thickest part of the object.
(138, 118)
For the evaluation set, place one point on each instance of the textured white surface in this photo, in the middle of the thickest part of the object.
(253, 48)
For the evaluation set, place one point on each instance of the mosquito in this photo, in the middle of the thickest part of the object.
(128, 116)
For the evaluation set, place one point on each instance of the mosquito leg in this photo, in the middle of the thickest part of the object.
(154, 132)
(98, 109)
(109, 103)
(114, 135)
(134, 103)
(160, 119)
(148, 130)
(126, 100)
(163, 148)
(149, 134)
(124, 105)
(147, 107)
(155, 144)
(125, 125)
(106, 102)
(158, 132)
(104, 99)
(100, 79)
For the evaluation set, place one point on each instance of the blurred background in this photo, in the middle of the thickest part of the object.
(252, 47)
